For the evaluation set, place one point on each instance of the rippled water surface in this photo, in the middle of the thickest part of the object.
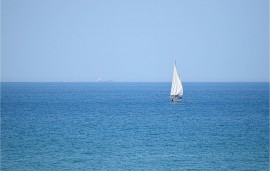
(134, 126)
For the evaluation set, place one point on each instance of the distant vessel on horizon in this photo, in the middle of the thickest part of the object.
(99, 80)
(177, 88)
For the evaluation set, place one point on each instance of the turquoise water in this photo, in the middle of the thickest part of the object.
(134, 126)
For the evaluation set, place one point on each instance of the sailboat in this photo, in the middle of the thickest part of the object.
(177, 88)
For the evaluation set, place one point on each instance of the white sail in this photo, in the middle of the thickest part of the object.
(177, 88)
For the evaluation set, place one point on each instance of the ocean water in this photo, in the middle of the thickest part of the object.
(134, 126)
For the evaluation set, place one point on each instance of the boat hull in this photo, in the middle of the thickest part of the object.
(175, 98)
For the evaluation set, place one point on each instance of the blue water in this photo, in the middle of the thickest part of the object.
(134, 126)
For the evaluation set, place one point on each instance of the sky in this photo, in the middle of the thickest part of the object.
(134, 41)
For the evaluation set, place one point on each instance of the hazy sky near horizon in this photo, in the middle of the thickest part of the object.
(82, 40)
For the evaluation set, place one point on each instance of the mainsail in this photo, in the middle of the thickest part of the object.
(177, 88)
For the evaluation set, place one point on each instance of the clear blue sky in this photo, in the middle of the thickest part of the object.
(81, 40)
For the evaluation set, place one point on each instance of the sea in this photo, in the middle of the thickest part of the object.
(134, 126)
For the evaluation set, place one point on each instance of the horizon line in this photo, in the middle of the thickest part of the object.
(133, 82)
